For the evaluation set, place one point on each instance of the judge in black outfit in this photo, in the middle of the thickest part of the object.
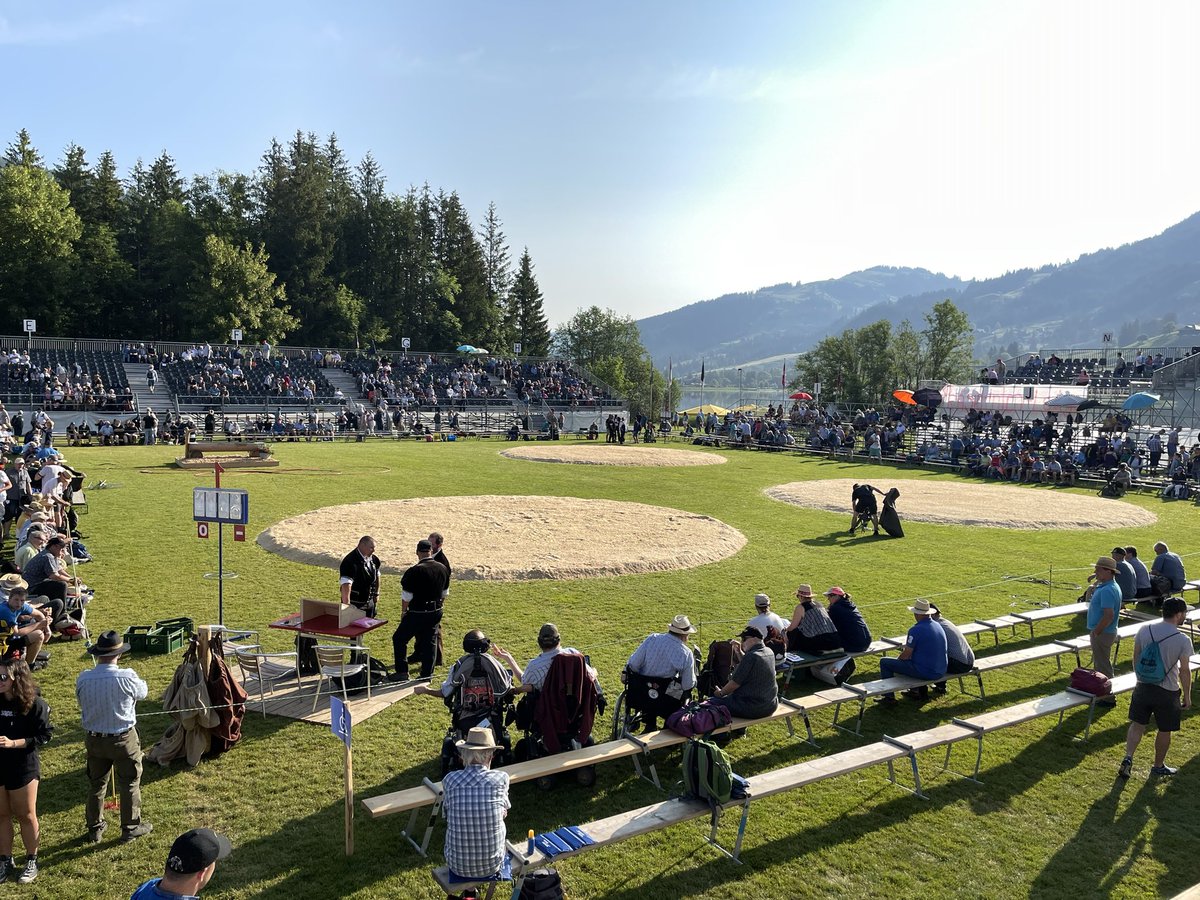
(439, 555)
(360, 576)
(423, 591)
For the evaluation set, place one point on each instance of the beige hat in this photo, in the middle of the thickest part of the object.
(1107, 562)
(805, 590)
(11, 581)
(762, 601)
(921, 607)
(681, 625)
(478, 739)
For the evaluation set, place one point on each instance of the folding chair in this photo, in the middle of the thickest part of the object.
(267, 669)
(335, 661)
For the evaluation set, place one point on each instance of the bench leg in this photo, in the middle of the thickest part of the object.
(916, 789)
(653, 778)
(409, 832)
(734, 854)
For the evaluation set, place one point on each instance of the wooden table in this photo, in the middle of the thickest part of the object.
(328, 626)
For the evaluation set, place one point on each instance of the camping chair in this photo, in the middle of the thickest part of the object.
(333, 662)
(267, 669)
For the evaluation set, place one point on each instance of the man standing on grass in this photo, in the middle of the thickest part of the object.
(1161, 655)
(423, 592)
(1103, 607)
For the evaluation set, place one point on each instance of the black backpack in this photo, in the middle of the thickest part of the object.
(542, 884)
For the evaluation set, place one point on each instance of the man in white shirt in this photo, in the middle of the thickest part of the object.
(765, 618)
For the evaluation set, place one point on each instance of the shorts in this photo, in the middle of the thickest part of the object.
(19, 770)
(1163, 704)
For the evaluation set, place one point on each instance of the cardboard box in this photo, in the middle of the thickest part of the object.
(342, 612)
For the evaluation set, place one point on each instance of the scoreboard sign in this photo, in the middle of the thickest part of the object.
(227, 506)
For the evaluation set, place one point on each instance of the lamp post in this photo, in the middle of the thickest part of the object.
(740, 400)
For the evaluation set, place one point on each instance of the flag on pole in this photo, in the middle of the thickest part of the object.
(702, 371)
(339, 718)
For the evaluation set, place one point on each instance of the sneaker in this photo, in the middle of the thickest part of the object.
(6, 869)
(1163, 771)
(29, 873)
(137, 831)
(96, 832)
(1126, 767)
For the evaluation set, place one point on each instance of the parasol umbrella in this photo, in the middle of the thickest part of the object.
(1089, 404)
(465, 348)
(1141, 400)
(905, 397)
(800, 395)
(928, 397)
(1063, 401)
(706, 409)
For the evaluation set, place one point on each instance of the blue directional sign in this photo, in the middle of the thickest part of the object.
(230, 506)
(339, 720)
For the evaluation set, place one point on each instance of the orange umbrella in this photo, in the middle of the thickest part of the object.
(905, 397)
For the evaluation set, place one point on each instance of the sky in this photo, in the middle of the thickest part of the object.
(651, 155)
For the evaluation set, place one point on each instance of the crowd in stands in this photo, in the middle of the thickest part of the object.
(66, 380)
(425, 380)
(228, 374)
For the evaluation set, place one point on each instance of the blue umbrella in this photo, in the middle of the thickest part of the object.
(1141, 400)
(466, 348)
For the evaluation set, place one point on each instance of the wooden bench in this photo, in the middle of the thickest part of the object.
(979, 626)
(634, 747)
(889, 750)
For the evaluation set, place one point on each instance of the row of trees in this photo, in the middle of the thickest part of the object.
(610, 347)
(306, 247)
(865, 365)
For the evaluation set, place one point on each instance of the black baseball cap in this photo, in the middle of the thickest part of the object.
(752, 631)
(196, 850)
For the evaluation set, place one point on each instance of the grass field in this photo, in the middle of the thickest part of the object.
(1049, 820)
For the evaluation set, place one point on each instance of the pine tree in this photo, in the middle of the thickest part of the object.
(497, 273)
(533, 331)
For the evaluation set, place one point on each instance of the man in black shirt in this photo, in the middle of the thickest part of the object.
(359, 574)
(423, 591)
(862, 501)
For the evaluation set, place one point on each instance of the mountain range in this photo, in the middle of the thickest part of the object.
(1138, 292)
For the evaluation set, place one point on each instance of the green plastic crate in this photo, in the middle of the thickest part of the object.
(165, 636)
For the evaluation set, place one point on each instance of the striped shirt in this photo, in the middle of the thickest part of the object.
(108, 696)
(475, 801)
(665, 656)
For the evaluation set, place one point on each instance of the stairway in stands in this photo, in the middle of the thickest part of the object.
(142, 398)
(341, 380)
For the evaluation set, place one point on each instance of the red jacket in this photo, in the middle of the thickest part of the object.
(566, 706)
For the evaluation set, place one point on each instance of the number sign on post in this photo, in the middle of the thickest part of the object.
(225, 506)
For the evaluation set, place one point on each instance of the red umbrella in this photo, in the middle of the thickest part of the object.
(800, 395)
(905, 397)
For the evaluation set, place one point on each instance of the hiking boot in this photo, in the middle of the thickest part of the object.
(29, 873)
(96, 832)
(1126, 767)
(137, 831)
(1163, 771)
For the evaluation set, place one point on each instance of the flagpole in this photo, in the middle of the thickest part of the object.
(349, 766)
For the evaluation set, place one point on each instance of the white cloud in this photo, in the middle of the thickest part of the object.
(73, 28)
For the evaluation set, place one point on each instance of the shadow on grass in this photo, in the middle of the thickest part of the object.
(842, 539)
(999, 784)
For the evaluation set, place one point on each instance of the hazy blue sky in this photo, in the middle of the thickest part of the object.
(654, 154)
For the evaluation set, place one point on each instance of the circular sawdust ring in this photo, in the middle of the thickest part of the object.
(511, 538)
(611, 455)
(1040, 508)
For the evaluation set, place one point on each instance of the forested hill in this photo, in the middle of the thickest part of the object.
(784, 318)
(1135, 291)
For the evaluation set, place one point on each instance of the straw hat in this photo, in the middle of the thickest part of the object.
(478, 739)
(681, 625)
(921, 607)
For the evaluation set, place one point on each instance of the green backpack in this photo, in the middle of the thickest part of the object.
(707, 774)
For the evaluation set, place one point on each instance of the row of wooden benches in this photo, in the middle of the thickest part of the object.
(890, 750)
(638, 748)
(412, 799)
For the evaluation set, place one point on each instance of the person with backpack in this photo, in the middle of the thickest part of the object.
(478, 677)
(751, 691)
(1161, 657)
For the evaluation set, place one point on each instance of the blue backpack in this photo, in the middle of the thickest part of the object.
(1149, 666)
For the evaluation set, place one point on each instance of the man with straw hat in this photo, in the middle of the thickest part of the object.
(1103, 608)
(925, 653)
(107, 703)
(475, 802)
(667, 657)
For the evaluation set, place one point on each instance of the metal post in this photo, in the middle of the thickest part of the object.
(221, 573)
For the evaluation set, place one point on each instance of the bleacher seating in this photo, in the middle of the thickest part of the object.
(82, 379)
(243, 378)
